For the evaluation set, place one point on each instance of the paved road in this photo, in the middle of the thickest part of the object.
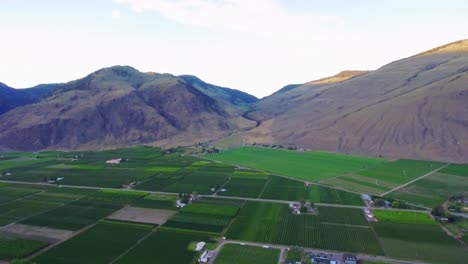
(212, 196)
(417, 179)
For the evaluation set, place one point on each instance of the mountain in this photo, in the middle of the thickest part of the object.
(415, 107)
(119, 106)
(11, 98)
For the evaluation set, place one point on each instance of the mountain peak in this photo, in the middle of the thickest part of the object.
(460, 46)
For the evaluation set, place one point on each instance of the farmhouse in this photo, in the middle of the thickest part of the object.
(114, 161)
(206, 256)
(200, 246)
(349, 259)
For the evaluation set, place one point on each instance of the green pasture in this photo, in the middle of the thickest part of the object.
(238, 254)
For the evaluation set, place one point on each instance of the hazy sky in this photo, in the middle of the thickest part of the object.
(256, 46)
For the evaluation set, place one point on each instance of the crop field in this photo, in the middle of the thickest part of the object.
(432, 190)
(90, 168)
(274, 223)
(200, 178)
(73, 216)
(211, 209)
(116, 196)
(416, 241)
(206, 217)
(309, 166)
(404, 217)
(340, 215)
(278, 188)
(157, 201)
(244, 187)
(164, 246)
(100, 244)
(384, 177)
(12, 248)
(454, 169)
(8, 193)
(238, 254)
(21, 209)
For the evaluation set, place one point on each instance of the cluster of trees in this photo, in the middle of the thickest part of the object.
(274, 146)
(210, 150)
(379, 201)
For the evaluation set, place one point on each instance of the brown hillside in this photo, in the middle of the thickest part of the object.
(416, 108)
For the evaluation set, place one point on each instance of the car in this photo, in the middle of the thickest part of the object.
(242, 244)
(265, 247)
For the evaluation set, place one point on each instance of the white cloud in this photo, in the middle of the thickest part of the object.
(116, 14)
(264, 17)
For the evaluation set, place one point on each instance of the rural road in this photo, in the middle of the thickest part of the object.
(286, 248)
(417, 179)
(212, 196)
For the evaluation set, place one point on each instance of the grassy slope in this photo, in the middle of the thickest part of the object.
(310, 166)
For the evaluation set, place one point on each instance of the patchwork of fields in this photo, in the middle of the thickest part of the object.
(163, 233)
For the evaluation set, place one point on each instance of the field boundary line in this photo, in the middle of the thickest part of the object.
(417, 179)
(132, 247)
(264, 187)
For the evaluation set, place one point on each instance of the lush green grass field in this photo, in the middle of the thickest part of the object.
(340, 215)
(12, 248)
(310, 166)
(244, 187)
(404, 217)
(164, 247)
(101, 244)
(433, 190)
(274, 223)
(237, 254)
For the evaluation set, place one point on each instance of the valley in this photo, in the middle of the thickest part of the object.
(56, 205)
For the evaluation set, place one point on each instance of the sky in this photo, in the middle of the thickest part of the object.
(257, 46)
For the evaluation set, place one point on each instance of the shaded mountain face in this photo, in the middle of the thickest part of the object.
(119, 106)
(11, 98)
(416, 107)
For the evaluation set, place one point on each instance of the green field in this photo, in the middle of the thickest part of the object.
(237, 254)
(14, 248)
(202, 216)
(310, 166)
(164, 247)
(279, 188)
(404, 217)
(101, 244)
(419, 242)
(383, 177)
(454, 169)
(432, 190)
(157, 201)
(274, 223)
(73, 216)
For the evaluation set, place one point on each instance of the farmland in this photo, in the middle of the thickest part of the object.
(455, 169)
(274, 223)
(383, 177)
(222, 207)
(237, 254)
(309, 166)
(404, 217)
(102, 244)
(164, 246)
(201, 216)
(432, 190)
(12, 248)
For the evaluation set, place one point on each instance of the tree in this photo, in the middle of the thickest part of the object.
(396, 204)
(438, 210)
(379, 202)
